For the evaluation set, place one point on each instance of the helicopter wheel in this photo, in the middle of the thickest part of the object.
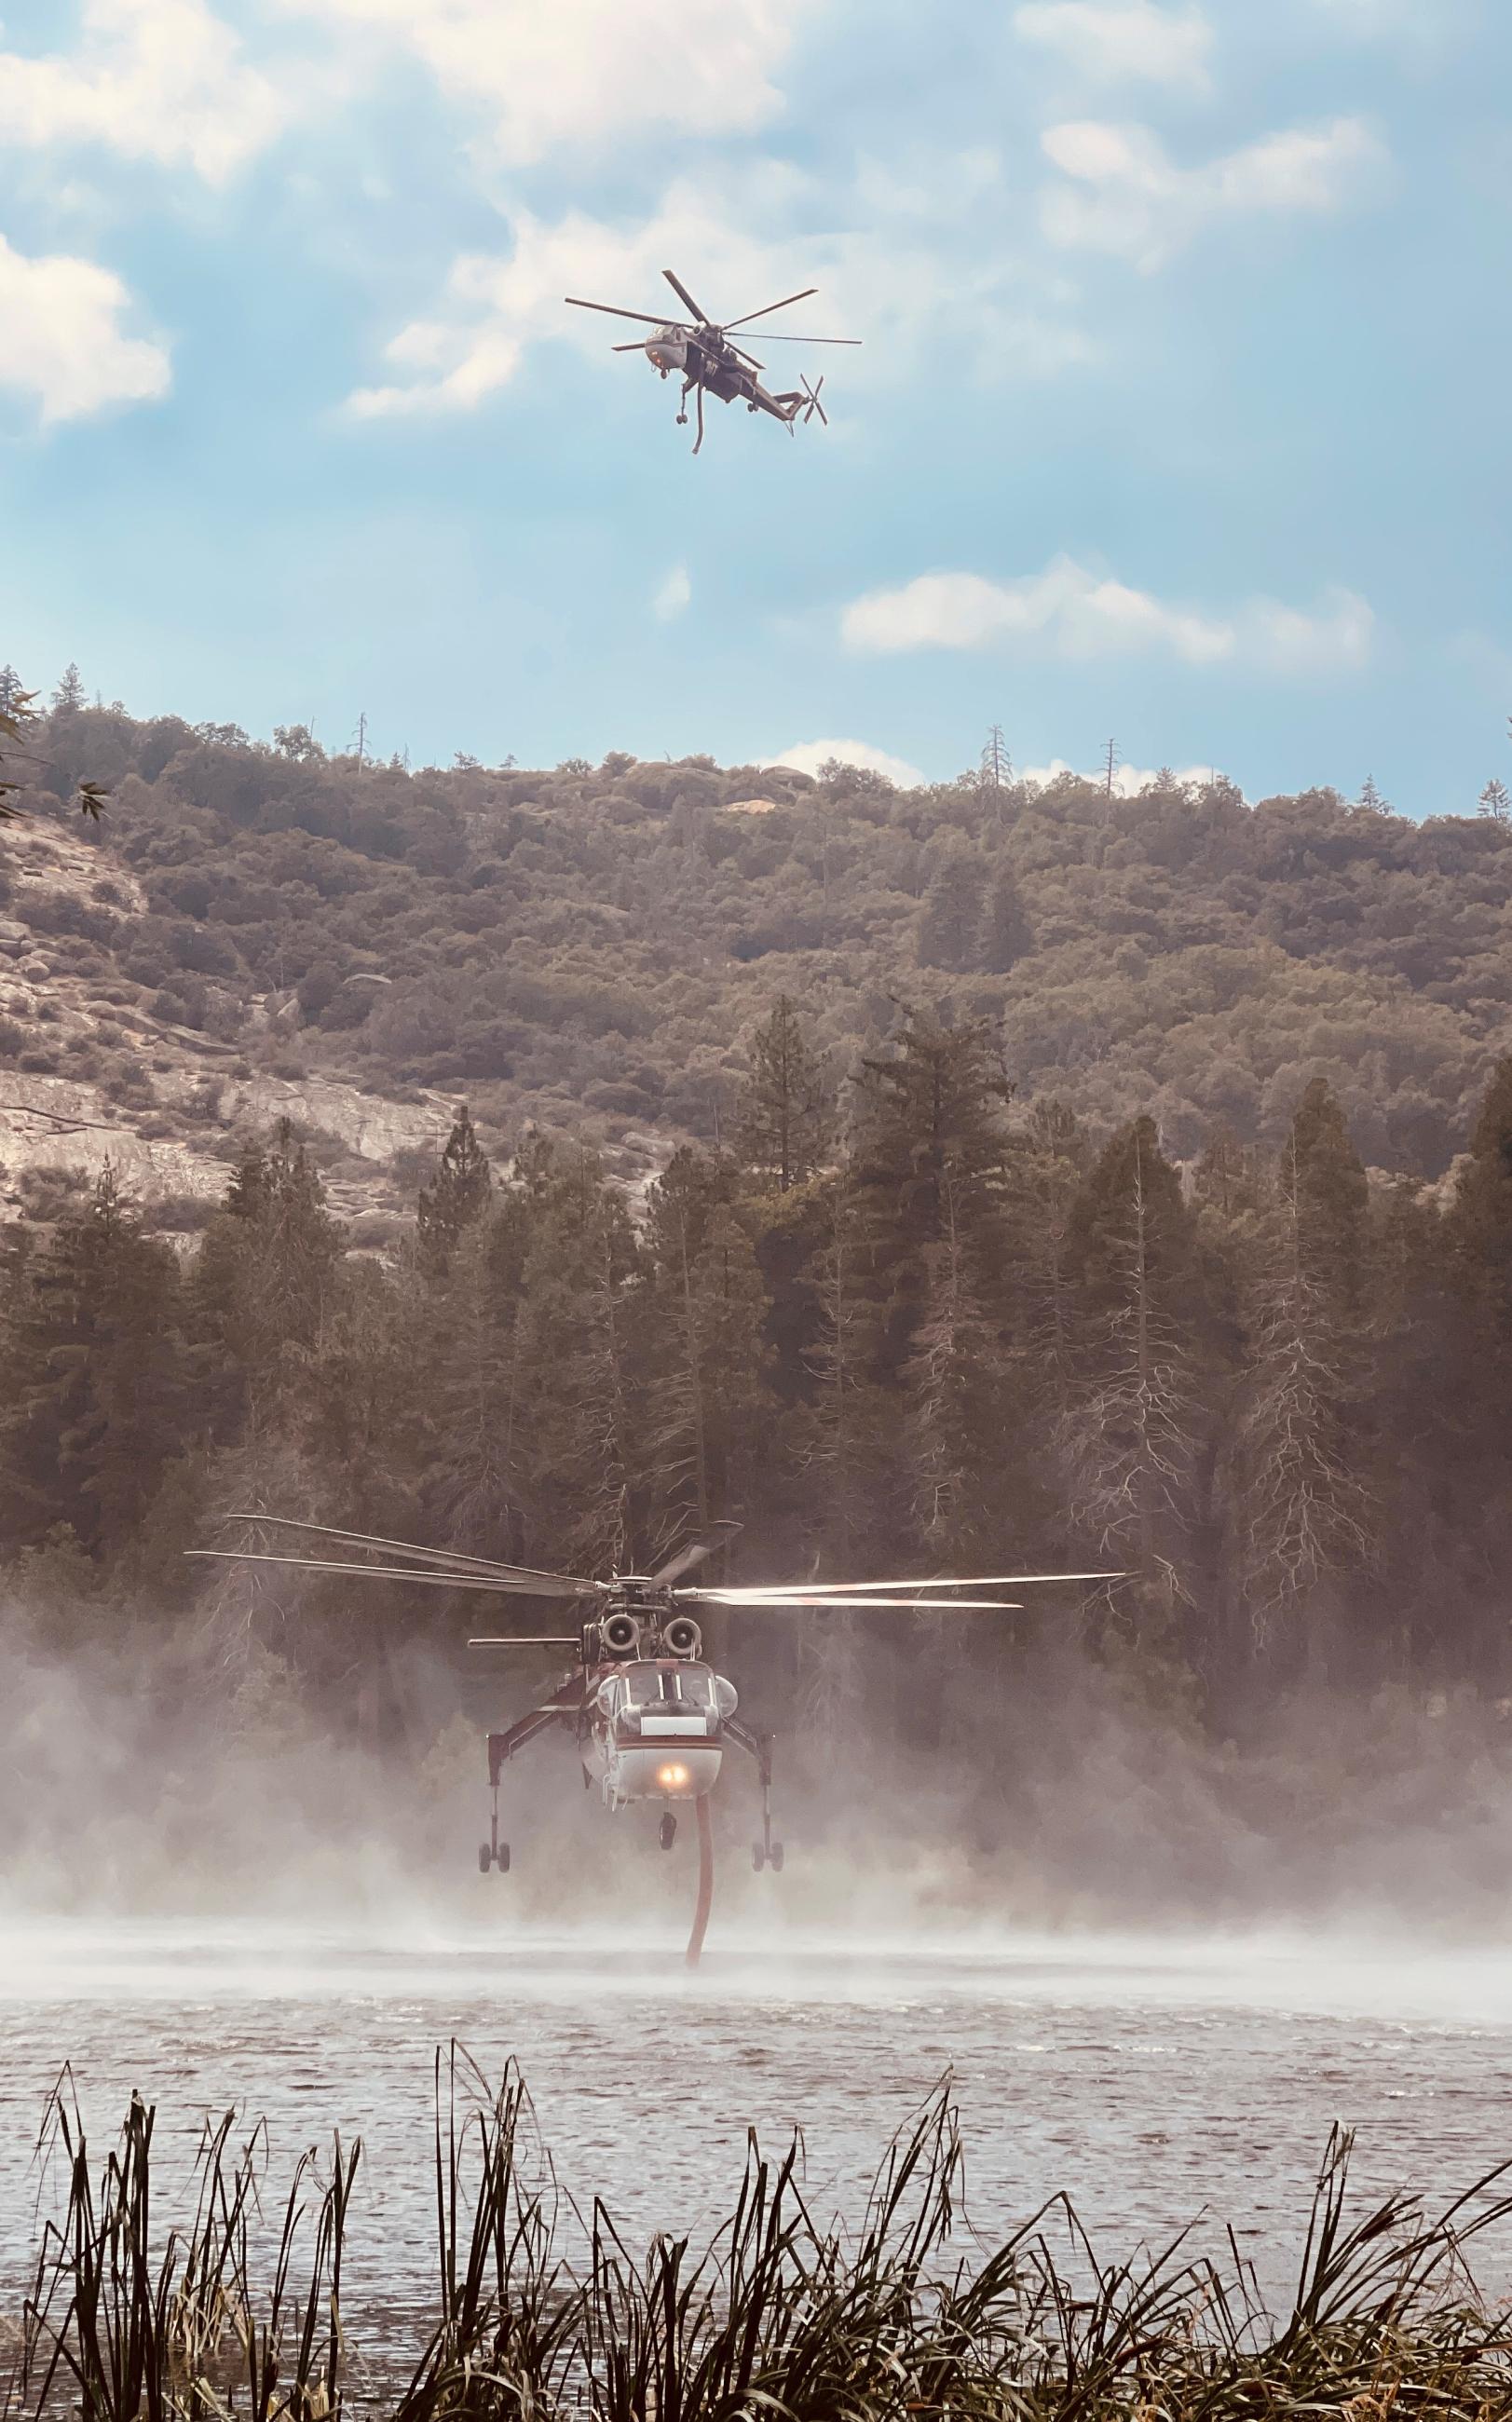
(774, 1858)
(503, 1858)
(485, 1858)
(668, 1833)
(758, 1857)
(489, 1858)
(682, 420)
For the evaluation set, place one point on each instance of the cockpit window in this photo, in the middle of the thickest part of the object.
(676, 1686)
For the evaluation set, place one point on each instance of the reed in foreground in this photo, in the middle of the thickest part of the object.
(781, 2318)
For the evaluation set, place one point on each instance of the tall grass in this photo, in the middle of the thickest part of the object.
(779, 2318)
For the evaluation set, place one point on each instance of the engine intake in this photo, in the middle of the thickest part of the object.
(620, 1634)
(681, 1636)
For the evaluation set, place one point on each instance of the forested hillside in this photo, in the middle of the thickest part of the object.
(939, 1337)
(1043, 1178)
(591, 946)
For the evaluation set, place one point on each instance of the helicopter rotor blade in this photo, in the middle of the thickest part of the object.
(766, 1592)
(637, 348)
(527, 1640)
(814, 1601)
(683, 296)
(774, 336)
(616, 313)
(745, 318)
(495, 1584)
(708, 1543)
(408, 1548)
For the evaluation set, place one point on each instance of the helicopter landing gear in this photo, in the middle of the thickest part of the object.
(494, 1853)
(767, 1853)
(682, 420)
(667, 1834)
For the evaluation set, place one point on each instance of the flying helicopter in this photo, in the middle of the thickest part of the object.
(650, 1717)
(710, 363)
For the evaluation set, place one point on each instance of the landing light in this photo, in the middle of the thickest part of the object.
(671, 1778)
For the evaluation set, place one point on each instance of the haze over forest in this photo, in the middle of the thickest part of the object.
(1041, 1175)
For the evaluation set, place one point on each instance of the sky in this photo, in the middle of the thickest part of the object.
(1179, 417)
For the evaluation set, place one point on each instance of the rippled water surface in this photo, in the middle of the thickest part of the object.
(1149, 2079)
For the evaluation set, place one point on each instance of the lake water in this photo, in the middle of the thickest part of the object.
(1153, 2080)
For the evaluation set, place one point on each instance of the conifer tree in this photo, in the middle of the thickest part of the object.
(1129, 1436)
(68, 697)
(958, 1447)
(930, 1109)
(576, 1379)
(1481, 1216)
(783, 1119)
(1301, 1503)
(456, 1196)
(1006, 934)
(266, 1270)
(951, 920)
(92, 1408)
(479, 1428)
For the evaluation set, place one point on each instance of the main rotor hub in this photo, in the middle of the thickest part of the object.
(640, 1619)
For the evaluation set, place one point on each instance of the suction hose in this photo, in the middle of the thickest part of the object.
(700, 1916)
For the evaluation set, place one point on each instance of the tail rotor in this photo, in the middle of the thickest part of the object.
(814, 404)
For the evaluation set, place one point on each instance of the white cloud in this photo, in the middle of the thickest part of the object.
(807, 756)
(1114, 41)
(61, 341)
(894, 285)
(159, 80)
(1071, 612)
(1126, 196)
(673, 596)
(582, 71)
(1128, 780)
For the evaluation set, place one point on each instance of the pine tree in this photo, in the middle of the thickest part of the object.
(1301, 1503)
(68, 697)
(853, 1483)
(266, 1271)
(576, 1382)
(1325, 1178)
(958, 1428)
(1480, 1221)
(951, 919)
(1128, 1441)
(93, 1378)
(1007, 936)
(12, 688)
(783, 1117)
(478, 1422)
(931, 1109)
(1496, 801)
(457, 1195)
(1370, 800)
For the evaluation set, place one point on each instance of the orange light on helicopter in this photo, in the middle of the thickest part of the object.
(671, 1778)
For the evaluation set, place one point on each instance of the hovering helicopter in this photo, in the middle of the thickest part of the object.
(710, 364)
(650, 1718)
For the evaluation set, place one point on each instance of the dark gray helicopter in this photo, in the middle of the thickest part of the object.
(710, 364)
(650, 1719)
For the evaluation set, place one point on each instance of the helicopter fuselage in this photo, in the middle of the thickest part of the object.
(653, 1728)
(705, 359)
